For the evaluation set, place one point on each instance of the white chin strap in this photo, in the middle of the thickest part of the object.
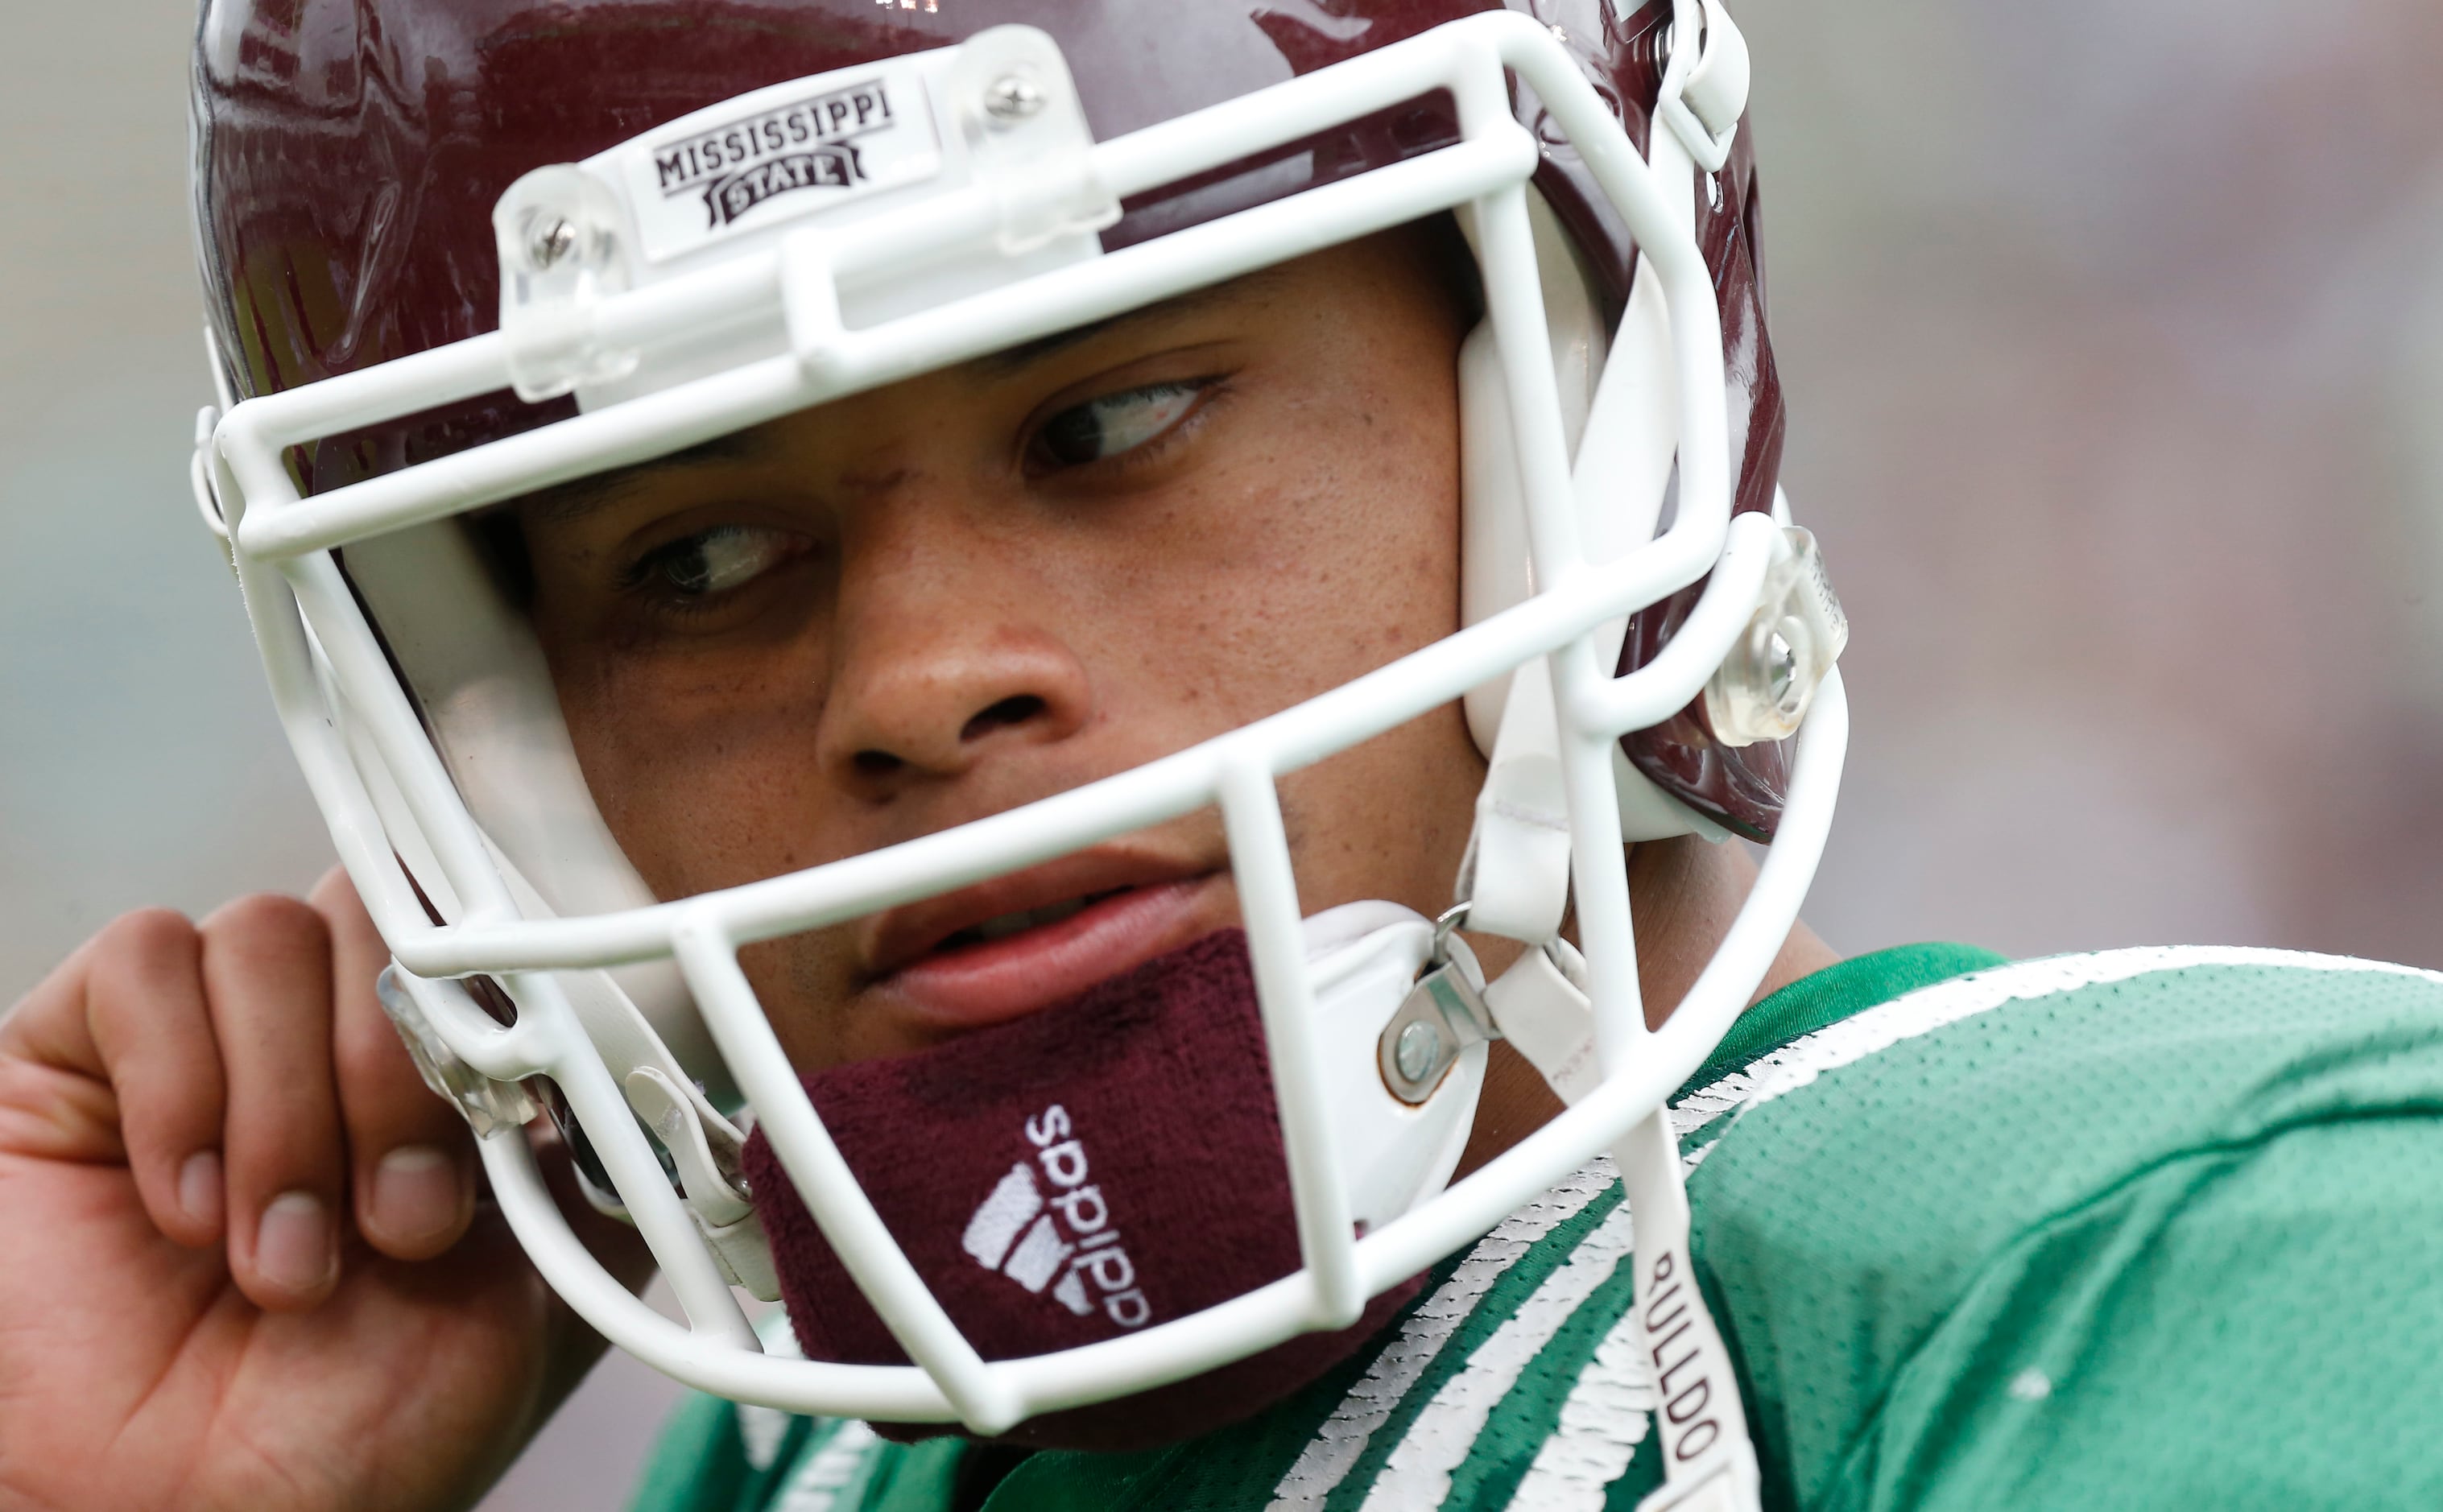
(1516, 880)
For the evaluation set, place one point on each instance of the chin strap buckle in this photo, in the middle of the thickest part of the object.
(704, 1152)
(1443, 1014)
(1540, 1005)
(702, 1148)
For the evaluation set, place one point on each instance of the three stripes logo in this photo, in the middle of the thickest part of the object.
(1065, 1241)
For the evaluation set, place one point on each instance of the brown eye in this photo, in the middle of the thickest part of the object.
(1116, 424)
(716, 561)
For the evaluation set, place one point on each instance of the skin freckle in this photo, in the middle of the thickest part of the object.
(1281, 547)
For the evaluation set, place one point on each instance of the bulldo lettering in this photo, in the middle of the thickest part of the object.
(1066, 1240)
(1688, 1427)
(804, 145)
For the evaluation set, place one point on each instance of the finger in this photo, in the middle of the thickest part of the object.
(145, 1001)
(266, 969)
(116, 1047)
(411, 1158)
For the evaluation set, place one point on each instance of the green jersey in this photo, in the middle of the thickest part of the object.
(2147, 1229)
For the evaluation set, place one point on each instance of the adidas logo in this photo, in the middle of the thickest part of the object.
(1066, 1240)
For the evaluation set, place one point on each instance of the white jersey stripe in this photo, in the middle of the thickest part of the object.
(1879, 1027)
(1602, 1423)
(1417, 1473)
(761, 1429)
(823, 1475)
(1341, 1441)
(1610, 1405)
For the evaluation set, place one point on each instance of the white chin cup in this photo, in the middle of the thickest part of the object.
(1365, 959)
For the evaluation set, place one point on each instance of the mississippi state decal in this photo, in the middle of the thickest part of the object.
(777, 153)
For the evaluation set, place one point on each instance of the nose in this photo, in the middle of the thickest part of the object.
(943, 659)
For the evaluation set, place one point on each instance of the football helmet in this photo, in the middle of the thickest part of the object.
(458, 252)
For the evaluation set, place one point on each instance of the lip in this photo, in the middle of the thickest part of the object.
(1149, 905)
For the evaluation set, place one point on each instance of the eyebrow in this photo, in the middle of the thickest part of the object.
(563, 503)
(1011, 360)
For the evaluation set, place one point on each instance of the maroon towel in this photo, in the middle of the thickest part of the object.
(1095, 1168)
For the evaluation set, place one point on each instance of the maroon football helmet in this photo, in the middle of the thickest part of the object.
(348, 155)
(458, 250)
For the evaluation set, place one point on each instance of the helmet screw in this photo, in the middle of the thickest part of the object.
(1414, 1052)
(1781, 671)
(1013, 97)
(552, 243)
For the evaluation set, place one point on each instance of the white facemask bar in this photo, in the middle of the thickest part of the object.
(282, 543)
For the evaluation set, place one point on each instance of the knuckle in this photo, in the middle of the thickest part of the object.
(148, 937)
(334, 894)
(269, 920)
(369, 1054)
(144, 968)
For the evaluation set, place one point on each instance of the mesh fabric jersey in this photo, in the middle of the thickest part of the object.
(2146, 1228)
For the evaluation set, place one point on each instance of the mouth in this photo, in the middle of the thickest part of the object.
(1002, 926)
(1005, 948)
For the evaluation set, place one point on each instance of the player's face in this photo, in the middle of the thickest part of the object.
(930, 602)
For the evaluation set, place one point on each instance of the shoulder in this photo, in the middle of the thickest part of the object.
(2119, 1053)
(1996, 1234)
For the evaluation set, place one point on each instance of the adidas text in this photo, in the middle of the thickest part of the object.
(1066, 1240)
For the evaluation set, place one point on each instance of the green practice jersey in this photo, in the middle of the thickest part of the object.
(2147, 1229)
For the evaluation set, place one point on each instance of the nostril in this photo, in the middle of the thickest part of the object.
(1017, 710)
(877, 763)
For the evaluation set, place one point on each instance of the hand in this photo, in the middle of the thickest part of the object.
(241, 1264)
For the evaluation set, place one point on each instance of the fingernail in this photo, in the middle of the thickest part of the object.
(292, 1249)
(199, 1188)
(416, 1193)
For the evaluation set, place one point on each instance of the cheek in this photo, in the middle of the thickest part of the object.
(1369, 571)
(1328, 553)
(698, 765)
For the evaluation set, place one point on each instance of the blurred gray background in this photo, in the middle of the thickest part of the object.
(2114, 336)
